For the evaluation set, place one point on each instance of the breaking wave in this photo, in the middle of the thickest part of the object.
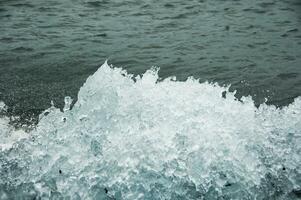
(143, 138)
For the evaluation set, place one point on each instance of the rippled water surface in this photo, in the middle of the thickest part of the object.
(48, 48)
(146, 136)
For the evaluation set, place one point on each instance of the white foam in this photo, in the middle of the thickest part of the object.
(2, 106)
(9, 136)
(150, 139)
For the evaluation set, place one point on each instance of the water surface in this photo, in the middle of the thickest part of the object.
(48, 49)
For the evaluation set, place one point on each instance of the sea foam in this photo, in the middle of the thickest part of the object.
(141, 137)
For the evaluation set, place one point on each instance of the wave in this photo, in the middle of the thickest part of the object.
(141, 137)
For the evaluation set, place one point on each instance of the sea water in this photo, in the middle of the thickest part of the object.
(143, 137)
(49, 48)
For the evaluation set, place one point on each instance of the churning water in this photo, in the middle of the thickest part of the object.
(140, 138)
(147, 136)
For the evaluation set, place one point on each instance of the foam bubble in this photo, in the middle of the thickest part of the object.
(2, 106)
(150, 139)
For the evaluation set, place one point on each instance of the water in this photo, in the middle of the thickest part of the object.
(48, 49)
(147, 137)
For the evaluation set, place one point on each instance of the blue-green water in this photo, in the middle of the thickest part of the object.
(48, 48)
(150, 135)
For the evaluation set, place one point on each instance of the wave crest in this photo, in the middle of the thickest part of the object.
(143, 138)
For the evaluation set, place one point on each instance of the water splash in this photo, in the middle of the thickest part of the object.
(139, 138)
(9, 136)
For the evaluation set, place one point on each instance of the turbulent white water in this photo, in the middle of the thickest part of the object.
(140, 138)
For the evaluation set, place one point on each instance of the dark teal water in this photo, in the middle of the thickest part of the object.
(142, 140)
(49, 48)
